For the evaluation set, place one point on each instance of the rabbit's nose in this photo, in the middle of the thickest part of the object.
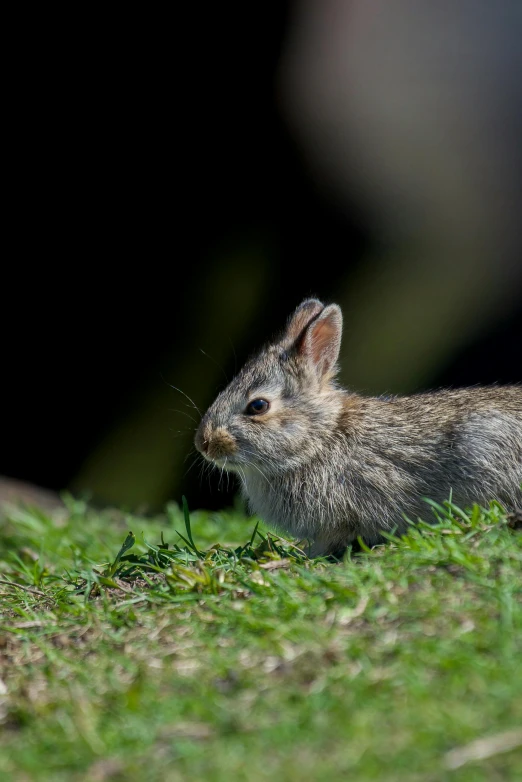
(220, 444)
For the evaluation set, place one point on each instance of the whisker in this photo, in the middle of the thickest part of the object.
(175, 410)
(215, 362)
(243, 476)
(191, 466)
(192, 450)
(201, 472)
(194, 405)
(221, 475)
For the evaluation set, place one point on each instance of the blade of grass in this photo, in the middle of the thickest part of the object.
(253, 535)
(127, 544)
(186, 516)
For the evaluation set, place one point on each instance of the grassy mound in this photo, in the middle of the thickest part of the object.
(164, 655)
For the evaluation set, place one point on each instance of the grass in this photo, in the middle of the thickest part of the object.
(161, 657)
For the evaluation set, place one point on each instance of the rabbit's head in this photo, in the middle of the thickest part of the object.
(283, 404)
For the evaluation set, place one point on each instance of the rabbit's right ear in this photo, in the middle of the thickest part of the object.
(321, 341)
(302, 317)
(314, 332)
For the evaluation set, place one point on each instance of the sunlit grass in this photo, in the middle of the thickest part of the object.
(202, 647)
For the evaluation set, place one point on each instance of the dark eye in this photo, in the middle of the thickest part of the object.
(257, 406)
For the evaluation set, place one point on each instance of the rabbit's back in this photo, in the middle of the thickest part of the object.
(468, 442)
(490, 445)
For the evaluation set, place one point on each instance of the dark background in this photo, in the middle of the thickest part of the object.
(164, 199)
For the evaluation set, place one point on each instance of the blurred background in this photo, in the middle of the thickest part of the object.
(177, 183)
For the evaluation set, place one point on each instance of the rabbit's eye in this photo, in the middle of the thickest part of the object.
(257, 406)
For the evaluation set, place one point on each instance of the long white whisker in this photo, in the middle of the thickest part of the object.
(194, 405)
(191, 466)
(222, 470)
(202, 472)
(192, 450)
(175, 410)
(243, 476)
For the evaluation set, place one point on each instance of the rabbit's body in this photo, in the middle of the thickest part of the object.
(384, 456)
(326, 464)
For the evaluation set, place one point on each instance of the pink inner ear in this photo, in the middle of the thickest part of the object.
(322, 335)
(323, 340)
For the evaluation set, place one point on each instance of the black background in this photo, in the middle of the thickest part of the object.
(137, 145)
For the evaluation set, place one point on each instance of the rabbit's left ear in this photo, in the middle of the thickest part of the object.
(300, 319)
(321, 341)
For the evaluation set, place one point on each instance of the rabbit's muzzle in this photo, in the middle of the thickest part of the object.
(214, 442)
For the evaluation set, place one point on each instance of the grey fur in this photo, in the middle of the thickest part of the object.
(328, 464)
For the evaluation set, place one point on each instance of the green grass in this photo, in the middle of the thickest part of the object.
(184, 660)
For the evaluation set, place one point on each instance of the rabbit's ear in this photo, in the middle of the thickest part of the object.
(307, 310)
(321, 341)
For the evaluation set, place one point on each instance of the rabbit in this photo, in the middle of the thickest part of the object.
(320, 462)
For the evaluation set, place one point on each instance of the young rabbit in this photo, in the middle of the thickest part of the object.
(323, 463)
